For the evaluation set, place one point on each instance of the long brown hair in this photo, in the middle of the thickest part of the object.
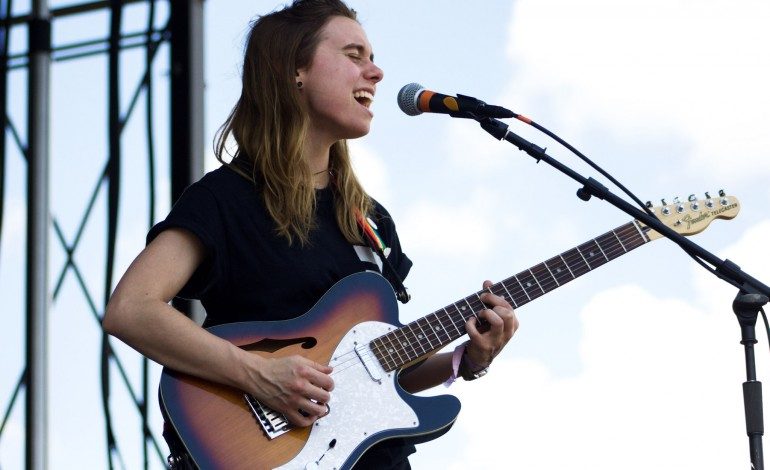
(269, 123)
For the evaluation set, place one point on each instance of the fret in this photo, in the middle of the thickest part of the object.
(438, 329)
(567, 265)
(510, 298)
(522, 288)
(451, 318)
(386, 359)
(418, 339)
(639, 236)
(641, 233)
(610, 247)
(516, 290)
(405, 345)
(551, 273)
(528, 281)
(620, 241)
(469, 309)
(590, 255)
(578, 268)
(392, 347)
(447, 318)
(536, 281)
(424, 334)
(374, 346)
(543, 277)
(600, 249)
(559, 269)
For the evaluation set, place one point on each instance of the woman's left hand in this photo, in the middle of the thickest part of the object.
(487, 344)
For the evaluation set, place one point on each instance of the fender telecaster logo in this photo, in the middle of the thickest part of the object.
(690, 220)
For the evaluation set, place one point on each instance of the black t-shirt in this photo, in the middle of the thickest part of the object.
(252, 273)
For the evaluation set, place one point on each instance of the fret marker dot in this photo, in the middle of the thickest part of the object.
(529, 284)
(404, 344)
(437, 328)
(463, 308)
(590, 254)
(558, 270)
(420, 336)
(390, 350)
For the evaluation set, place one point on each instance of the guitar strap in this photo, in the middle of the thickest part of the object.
(375, 242)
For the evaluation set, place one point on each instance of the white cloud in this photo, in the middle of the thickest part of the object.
(660, 382)
(371, 170)
(446, 229)
(695, 69)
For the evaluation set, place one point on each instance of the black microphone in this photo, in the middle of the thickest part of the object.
(414, 99)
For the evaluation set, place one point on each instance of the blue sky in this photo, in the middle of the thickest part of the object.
(635, 365)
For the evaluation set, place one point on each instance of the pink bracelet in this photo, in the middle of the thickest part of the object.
(457, 356)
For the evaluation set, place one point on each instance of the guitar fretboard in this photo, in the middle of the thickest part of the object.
(421, 337)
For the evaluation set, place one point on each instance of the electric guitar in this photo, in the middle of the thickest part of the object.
(354, 328)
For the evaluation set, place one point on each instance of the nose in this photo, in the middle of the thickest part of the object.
(374, 73)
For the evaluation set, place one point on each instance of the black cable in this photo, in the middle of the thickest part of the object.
(596, 167)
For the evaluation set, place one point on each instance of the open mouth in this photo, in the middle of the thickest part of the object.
(364, 98)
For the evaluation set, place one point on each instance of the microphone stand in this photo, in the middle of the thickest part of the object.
(752, 294)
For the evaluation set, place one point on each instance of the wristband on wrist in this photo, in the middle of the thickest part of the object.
(463, 366)
(457, 357)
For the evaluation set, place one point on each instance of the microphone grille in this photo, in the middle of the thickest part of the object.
(407, 98)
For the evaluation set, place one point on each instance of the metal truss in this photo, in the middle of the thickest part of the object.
(173, 23)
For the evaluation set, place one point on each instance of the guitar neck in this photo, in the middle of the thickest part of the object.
(422, 337)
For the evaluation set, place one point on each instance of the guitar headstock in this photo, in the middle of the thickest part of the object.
(694, 215)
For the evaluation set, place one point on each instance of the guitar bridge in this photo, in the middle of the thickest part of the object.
(273, 423)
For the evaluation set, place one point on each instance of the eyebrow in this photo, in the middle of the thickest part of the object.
(361, 49)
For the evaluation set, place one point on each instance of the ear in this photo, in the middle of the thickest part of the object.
(300, 74)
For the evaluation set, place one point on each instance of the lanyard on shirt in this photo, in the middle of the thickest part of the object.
(375, 242)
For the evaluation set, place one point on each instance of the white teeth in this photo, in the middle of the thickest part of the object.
(363, 94)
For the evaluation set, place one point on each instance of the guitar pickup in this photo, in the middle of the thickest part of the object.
(366, 360)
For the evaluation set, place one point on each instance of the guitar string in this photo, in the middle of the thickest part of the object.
(610, 244)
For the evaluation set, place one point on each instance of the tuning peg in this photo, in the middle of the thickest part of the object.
(708, 196)
(721, 193)
(648, 204)
(676, 199)
(691, 197)
(663, 201)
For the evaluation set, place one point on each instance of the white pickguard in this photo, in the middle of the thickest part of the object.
(359, 407)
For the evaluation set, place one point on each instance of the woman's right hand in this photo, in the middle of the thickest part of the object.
(295, 386)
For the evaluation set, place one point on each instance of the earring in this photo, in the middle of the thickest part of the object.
(299, 84)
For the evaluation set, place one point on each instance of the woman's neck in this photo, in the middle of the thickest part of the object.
(317, 158)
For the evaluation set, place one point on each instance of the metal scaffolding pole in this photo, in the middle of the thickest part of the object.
(187, 135)
(38, 218)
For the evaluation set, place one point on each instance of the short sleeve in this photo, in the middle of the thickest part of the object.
(386, 227)
(198, 212)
